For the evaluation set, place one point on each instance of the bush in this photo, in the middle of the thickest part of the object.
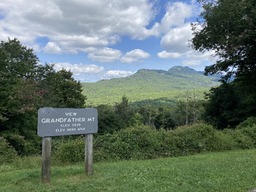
(144, 142)
(249, 122)
(221, 142)
(70, 152)
(193, 139)
(250, 133)
(7, 152)
(131, 143)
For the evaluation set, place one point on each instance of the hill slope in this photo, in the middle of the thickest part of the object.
(148, 84)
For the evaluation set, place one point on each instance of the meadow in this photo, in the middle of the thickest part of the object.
(232, 171)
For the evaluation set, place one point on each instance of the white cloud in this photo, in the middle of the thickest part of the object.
(52, 48)
(91, 73)
(167, 55)
(79, 68)
(175, 15)
(116, 74)
(196, 59)
(135, 55)
(177, 34)
(75, 25)
(104, 55)
(177, 39)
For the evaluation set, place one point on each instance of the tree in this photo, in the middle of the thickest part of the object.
(228, 27)
(108, 120)
(222, 108)
(124, 112)
(62, 90)
(18, 66)
(25, 86)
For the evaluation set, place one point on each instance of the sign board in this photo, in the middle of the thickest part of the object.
(67, 121)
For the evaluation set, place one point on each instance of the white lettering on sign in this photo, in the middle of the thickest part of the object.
(91, 119)
(67, 120)
(71, 129)
(70, 114)
(59, 130)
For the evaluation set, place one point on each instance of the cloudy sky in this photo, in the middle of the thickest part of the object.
(102, 39)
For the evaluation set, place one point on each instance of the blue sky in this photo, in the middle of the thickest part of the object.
(103, 39)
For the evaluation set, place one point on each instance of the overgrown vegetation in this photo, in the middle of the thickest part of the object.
(144, 142)
(26, 86)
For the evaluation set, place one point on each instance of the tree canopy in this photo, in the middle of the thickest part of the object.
(228, 27)
(26, 86)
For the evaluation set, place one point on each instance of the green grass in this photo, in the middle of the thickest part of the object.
(226, 171)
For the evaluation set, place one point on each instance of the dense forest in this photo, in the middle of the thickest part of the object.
(224, 119)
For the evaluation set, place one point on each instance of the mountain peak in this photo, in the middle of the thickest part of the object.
(180, 69)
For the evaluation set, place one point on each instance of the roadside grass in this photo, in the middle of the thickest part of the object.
(223, 171)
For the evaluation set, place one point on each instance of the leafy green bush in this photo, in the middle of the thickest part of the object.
(7, 152)
(239, 140)
(250, 133)
(70, 152)
(249, 122)
(193, 139)
(144, 142)
(221, 142)
(132, 143)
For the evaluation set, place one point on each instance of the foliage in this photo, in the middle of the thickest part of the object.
(146, 143)
(227, 107)
(62, 90)
(107, 119)
(219, 110)
(131, 143)
(227, 27)
(25, 87)
(71, 151)
(249, 122)
(149, 85)
(124, 112)
(7, 152)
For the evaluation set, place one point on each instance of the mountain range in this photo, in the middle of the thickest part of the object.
(149, 84)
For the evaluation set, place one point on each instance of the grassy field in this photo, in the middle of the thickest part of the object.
(225, 171)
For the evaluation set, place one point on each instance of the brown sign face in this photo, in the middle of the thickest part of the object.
(66, 121)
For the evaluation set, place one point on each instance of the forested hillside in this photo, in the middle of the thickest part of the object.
(150, 85)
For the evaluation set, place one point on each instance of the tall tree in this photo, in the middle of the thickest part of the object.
(25, 86)
(228, 27)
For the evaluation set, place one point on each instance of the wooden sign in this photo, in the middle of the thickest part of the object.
(66, 121)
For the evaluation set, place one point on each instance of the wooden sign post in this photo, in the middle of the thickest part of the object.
(88, 154)
(66, 121)
(46, 159)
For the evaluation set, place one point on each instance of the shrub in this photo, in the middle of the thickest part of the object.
(7, 152)
(193, 139)
(131, 143)
(249, 122)
(239, 140)
(221, 142)
(249, 133)
(70, 152)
